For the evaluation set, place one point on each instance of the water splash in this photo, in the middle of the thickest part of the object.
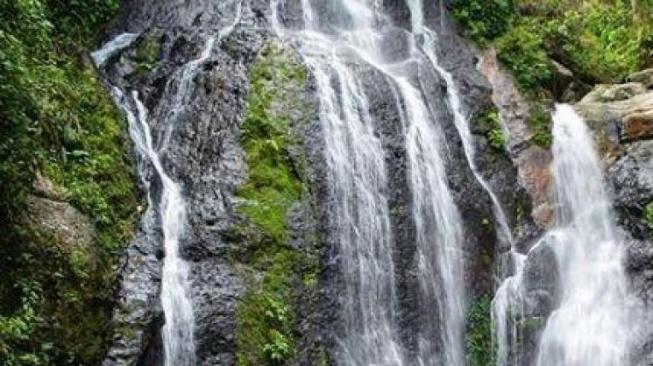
(593, 326)
(333, 49)
(113, 47)
(359, 216)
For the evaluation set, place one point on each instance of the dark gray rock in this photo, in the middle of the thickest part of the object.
(631, 179)
(204, 155)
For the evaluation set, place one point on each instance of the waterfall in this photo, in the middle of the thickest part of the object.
(427, 40)
(359, 215)
(178, 329)
(333, 49)
(593, 324)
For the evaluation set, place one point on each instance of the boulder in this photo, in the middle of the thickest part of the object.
(645, 77)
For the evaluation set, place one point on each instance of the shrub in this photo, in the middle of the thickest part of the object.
(522, 51)
(478, 339)
(484, 19)
(539, 120)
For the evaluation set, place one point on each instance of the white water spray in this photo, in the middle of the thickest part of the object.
(360, 219)
(333, 55)
(593, 326)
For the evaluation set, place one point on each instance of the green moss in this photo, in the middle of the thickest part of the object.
(478, 339)
(56, 117)
(490, 121)
(539, 121)
(147, 52)
(599, 41)
(267, 319)
(648, 215)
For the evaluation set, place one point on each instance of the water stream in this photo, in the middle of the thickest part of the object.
(593, 324)
(590, 327)
(333, 49)
(360, 218)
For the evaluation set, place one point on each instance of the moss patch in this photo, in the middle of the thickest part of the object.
(539, 120)
(267, 316)
(55, 301)
(489, 120)
(648, 215)
(478, 339)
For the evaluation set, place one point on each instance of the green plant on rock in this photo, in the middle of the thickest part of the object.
(522, 51)
(484, 19)
(478, 338)
(648, 215)
(490, 120)
(539, 120)
(266, 316)
(278, 350)
(56, 118)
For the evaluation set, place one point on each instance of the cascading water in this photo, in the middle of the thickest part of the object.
(427, 40)
(359, 217)
(593, 324)
(178, 339)
(178, 329)
(333, 48)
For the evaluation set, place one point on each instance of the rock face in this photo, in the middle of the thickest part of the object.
(243, 267)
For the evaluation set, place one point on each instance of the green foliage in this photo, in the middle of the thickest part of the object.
(522, 51)
(56, 117)
(539, 120)
(478, 339)
(600, 41)
(491, 121)
(17, 330)
(484, 19)
(266, 316)
(648, 215)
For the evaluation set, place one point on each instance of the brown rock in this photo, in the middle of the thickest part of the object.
(645, 77)
(638, 126)
(603, 93)
(533, 162)
(65, 227)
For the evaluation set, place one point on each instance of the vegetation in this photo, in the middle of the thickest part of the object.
(490, 120)
(478, 339)
(266, 316)
(599, 41)
(540, 123)
(56, 118)
(648, 215)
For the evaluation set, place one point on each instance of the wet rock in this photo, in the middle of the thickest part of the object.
(604, 93)
(631, 179)
(562, 78)
(644, 77)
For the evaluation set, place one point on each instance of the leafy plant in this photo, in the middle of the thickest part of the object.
(648, 215)
(478, 339)
(56, 118)
(539, 120)
(484, 19)
(522, 50)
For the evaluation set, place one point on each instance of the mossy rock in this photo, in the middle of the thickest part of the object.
(275, 271)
